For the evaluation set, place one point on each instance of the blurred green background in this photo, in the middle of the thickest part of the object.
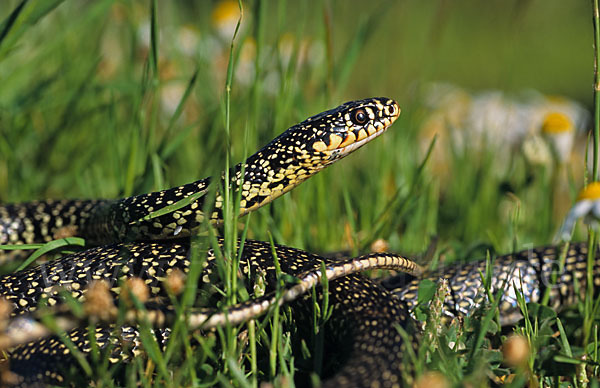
(96, 102)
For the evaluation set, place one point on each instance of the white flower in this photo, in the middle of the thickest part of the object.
(225, 17)
(587, 205)
(536, 150)
(187, 40)
(497, 120)
(558, 129)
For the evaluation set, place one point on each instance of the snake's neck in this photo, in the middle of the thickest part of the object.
(273, 171)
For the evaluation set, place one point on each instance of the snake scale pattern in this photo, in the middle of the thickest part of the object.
(530, 271)
(368, 317)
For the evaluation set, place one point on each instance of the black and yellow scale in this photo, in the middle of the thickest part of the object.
(365, 314)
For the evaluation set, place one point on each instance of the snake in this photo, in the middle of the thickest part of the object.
(362, 309)
(366, 314)
(298, 153)
(292, 157)
(531, 272)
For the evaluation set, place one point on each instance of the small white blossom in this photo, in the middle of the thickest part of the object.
(225, 17)
(587, 205)
(559, 131)
(536, 150)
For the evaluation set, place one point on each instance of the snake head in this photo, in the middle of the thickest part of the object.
(306, 148)
(337, 132)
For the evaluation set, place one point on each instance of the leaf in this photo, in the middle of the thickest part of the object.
(289, 279)
(23, 16)
(51, 246)
(173, 207)
(564, 339)
(427, 289)
(540, 312)
(567, 360)
(18, 247)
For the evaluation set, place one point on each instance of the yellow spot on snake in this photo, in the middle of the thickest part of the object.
(319, 146)
(362, 134)
(371, 129)
(334, 142)
(350, 138)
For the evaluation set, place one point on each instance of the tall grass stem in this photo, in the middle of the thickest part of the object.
(596, 22)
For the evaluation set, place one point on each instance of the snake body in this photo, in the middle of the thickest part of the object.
(530, 272)
(365, 314)
(288, 160)
(362, 310)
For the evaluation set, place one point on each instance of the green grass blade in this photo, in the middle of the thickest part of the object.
(51, 246)
(173, 207)
(22, 17)
(9, 22)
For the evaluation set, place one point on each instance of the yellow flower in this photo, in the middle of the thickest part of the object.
(556, 122)
(591, 191)
(587, 205)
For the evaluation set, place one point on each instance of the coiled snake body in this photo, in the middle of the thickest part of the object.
(365, 315)
(530, 272)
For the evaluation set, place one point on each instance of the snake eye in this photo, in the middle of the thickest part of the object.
(359, 117)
